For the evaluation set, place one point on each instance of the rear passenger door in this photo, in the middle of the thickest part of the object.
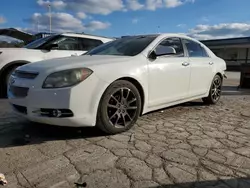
(201, 68)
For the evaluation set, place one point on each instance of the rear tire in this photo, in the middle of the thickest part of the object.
(214, 92)
(119, 108)
(5, 80)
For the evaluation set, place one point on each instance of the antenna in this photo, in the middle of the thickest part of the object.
(37, 26)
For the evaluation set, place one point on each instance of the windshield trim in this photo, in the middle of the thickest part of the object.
(106, 46)
(39, 46)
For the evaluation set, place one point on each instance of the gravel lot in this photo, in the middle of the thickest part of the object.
(189, 145)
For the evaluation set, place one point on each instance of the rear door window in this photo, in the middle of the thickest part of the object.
(194, 49)
(88, 44)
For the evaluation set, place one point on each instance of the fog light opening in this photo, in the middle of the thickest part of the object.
(57, 113)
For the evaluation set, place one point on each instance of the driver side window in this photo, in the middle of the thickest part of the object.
(174, 43)
(68, 43)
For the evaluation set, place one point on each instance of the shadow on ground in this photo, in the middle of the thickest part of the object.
(228, 183)
(22, 132)
(234, 90)
(25, 132)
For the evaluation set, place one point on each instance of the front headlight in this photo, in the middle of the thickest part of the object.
(66, 78)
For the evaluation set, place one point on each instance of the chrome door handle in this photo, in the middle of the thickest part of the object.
(185, 64)
(211, 63)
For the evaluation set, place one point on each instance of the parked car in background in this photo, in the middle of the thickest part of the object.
(115, 83)
(55, 46)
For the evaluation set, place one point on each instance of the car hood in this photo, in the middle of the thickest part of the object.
(88, 61)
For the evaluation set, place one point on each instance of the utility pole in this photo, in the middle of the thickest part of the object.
(158, 28)
(37, 26)
(49, 18)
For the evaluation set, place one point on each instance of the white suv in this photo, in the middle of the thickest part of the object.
(55, 46)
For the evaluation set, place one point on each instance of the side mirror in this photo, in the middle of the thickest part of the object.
(152, 55)
(164, 50)
(52, 46)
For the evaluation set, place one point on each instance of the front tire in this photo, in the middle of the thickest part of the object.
(119, 108)
(214, 92)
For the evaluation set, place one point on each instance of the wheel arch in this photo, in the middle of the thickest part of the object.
(10, 65)
(138, 85)
(4, 70)
(208, 99)
(100, 122)
(212, 77)
(221, 76)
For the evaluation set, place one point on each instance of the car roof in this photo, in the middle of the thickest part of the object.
(161, 35)
(147, 35)
(83, 35)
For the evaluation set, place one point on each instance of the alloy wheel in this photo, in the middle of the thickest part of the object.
(216, 89)
(122, 107)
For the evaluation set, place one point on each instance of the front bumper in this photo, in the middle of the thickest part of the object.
(82, 100)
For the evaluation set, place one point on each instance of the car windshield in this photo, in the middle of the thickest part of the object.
(39, 42)
(127, 46)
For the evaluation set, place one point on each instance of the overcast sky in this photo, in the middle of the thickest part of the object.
(202, 19)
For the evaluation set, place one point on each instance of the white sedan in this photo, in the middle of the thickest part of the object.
(55, 46)
(115, 83)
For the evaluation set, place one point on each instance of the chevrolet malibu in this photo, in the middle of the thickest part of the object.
(113, 84)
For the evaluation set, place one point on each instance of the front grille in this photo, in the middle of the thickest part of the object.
(20, 92)
(26, 75)
(20, 109)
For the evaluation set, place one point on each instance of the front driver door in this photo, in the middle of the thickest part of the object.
(67, 46)
(169, 75)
